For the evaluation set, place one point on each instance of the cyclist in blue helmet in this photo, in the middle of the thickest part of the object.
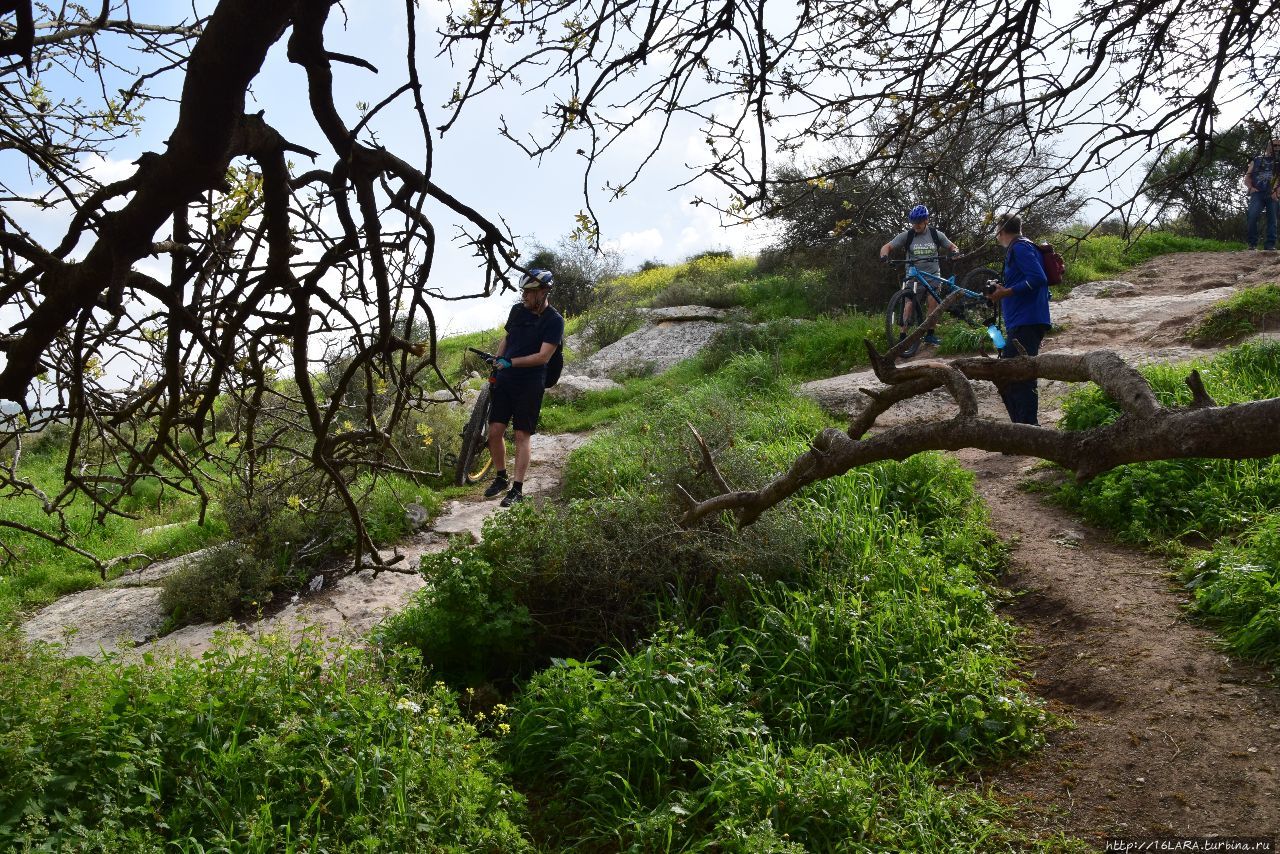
(922, 240)
(534, 332)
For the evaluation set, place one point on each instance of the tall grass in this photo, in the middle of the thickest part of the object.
(261, 748)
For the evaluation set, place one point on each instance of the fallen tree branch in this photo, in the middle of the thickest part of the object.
(1144, 431)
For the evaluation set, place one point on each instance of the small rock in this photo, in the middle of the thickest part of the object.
(572, 388)
(416, 515)
(315, 584)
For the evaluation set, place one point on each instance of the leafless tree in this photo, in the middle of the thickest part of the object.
(276, 271)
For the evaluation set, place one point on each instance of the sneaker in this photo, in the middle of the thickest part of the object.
(513, 497)
(932, 339)
(1253, 249)
(498, 486)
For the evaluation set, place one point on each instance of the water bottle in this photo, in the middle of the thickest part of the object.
(997, 338)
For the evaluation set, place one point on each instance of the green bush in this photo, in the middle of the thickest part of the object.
(467, 626)
(1168, 499)
(663, 749)
(254, 748)
(1251, 310)
(1237, 586)
(281, 539)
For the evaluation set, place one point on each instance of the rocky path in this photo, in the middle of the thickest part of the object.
(126, 614)
(1169, 737)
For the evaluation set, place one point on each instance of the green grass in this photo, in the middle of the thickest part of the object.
(1232, 503)
(39, 571)
(1251, 310)
(808, 683)
(255, 747)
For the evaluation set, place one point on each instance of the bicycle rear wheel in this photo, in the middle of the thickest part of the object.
(474, 459)
(901, 318)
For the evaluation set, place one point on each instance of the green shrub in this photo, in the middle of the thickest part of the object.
(662, 749)
(1237, 586)
(1167, 499)
(254, 748)
(281, 539)
(466, 625)
(1251, 310)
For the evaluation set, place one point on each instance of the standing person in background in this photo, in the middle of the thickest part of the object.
(922, 240)
(1024, 302)
(1260, 181)
(534, 332)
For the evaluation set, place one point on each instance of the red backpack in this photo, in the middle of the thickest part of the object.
(1054, 265)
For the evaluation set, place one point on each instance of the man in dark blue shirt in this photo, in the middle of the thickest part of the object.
(534, 333)
(1024, 301)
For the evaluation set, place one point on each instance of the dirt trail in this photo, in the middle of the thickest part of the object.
(1171, 737)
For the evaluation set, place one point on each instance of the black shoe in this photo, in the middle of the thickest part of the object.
(498, 486)
(515, 496)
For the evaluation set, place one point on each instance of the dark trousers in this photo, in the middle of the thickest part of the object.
(1260, 203)
(1021, 398)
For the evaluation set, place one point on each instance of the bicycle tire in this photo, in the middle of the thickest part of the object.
(976, 311)
(474, 460)
(898, 320)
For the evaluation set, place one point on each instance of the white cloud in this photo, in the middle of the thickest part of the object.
(637, 243)
(107, 171)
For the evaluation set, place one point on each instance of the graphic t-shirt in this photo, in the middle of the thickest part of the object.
(1263, 172)
(923, 247)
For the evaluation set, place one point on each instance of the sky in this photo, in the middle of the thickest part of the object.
(538, 200)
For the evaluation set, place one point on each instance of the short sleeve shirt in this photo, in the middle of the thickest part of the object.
(526, 333)
(923, 247)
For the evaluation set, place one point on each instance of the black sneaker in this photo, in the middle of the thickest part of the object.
(515, 496)
(499, 485)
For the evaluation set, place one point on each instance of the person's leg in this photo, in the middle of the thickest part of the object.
(498, 445)
(1271, 223)
(522, 455)
(1251, 219)
(1022, 398)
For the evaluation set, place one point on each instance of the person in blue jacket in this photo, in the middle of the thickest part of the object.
(1024, 302)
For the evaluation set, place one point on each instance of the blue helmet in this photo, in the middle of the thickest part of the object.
(919, 212)
(536, 278)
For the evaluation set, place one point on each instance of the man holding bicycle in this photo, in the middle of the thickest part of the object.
(534, 332)
(1024, 301)
(922, 241)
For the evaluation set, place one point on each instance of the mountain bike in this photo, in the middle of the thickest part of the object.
(474, 460)
(909, 306)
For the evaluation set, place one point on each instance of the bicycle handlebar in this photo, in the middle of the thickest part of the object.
(488, 357)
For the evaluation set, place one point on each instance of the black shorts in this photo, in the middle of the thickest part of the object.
(516, 403)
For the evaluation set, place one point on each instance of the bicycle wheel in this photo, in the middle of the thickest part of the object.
(977, 311)
(902, 317)
(474, 459)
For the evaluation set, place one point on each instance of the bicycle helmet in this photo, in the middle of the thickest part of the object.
(536, 278)
(918, 213)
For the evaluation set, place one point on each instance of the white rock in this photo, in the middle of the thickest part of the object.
(573, 387)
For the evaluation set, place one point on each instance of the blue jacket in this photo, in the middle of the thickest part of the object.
(1024, 275)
